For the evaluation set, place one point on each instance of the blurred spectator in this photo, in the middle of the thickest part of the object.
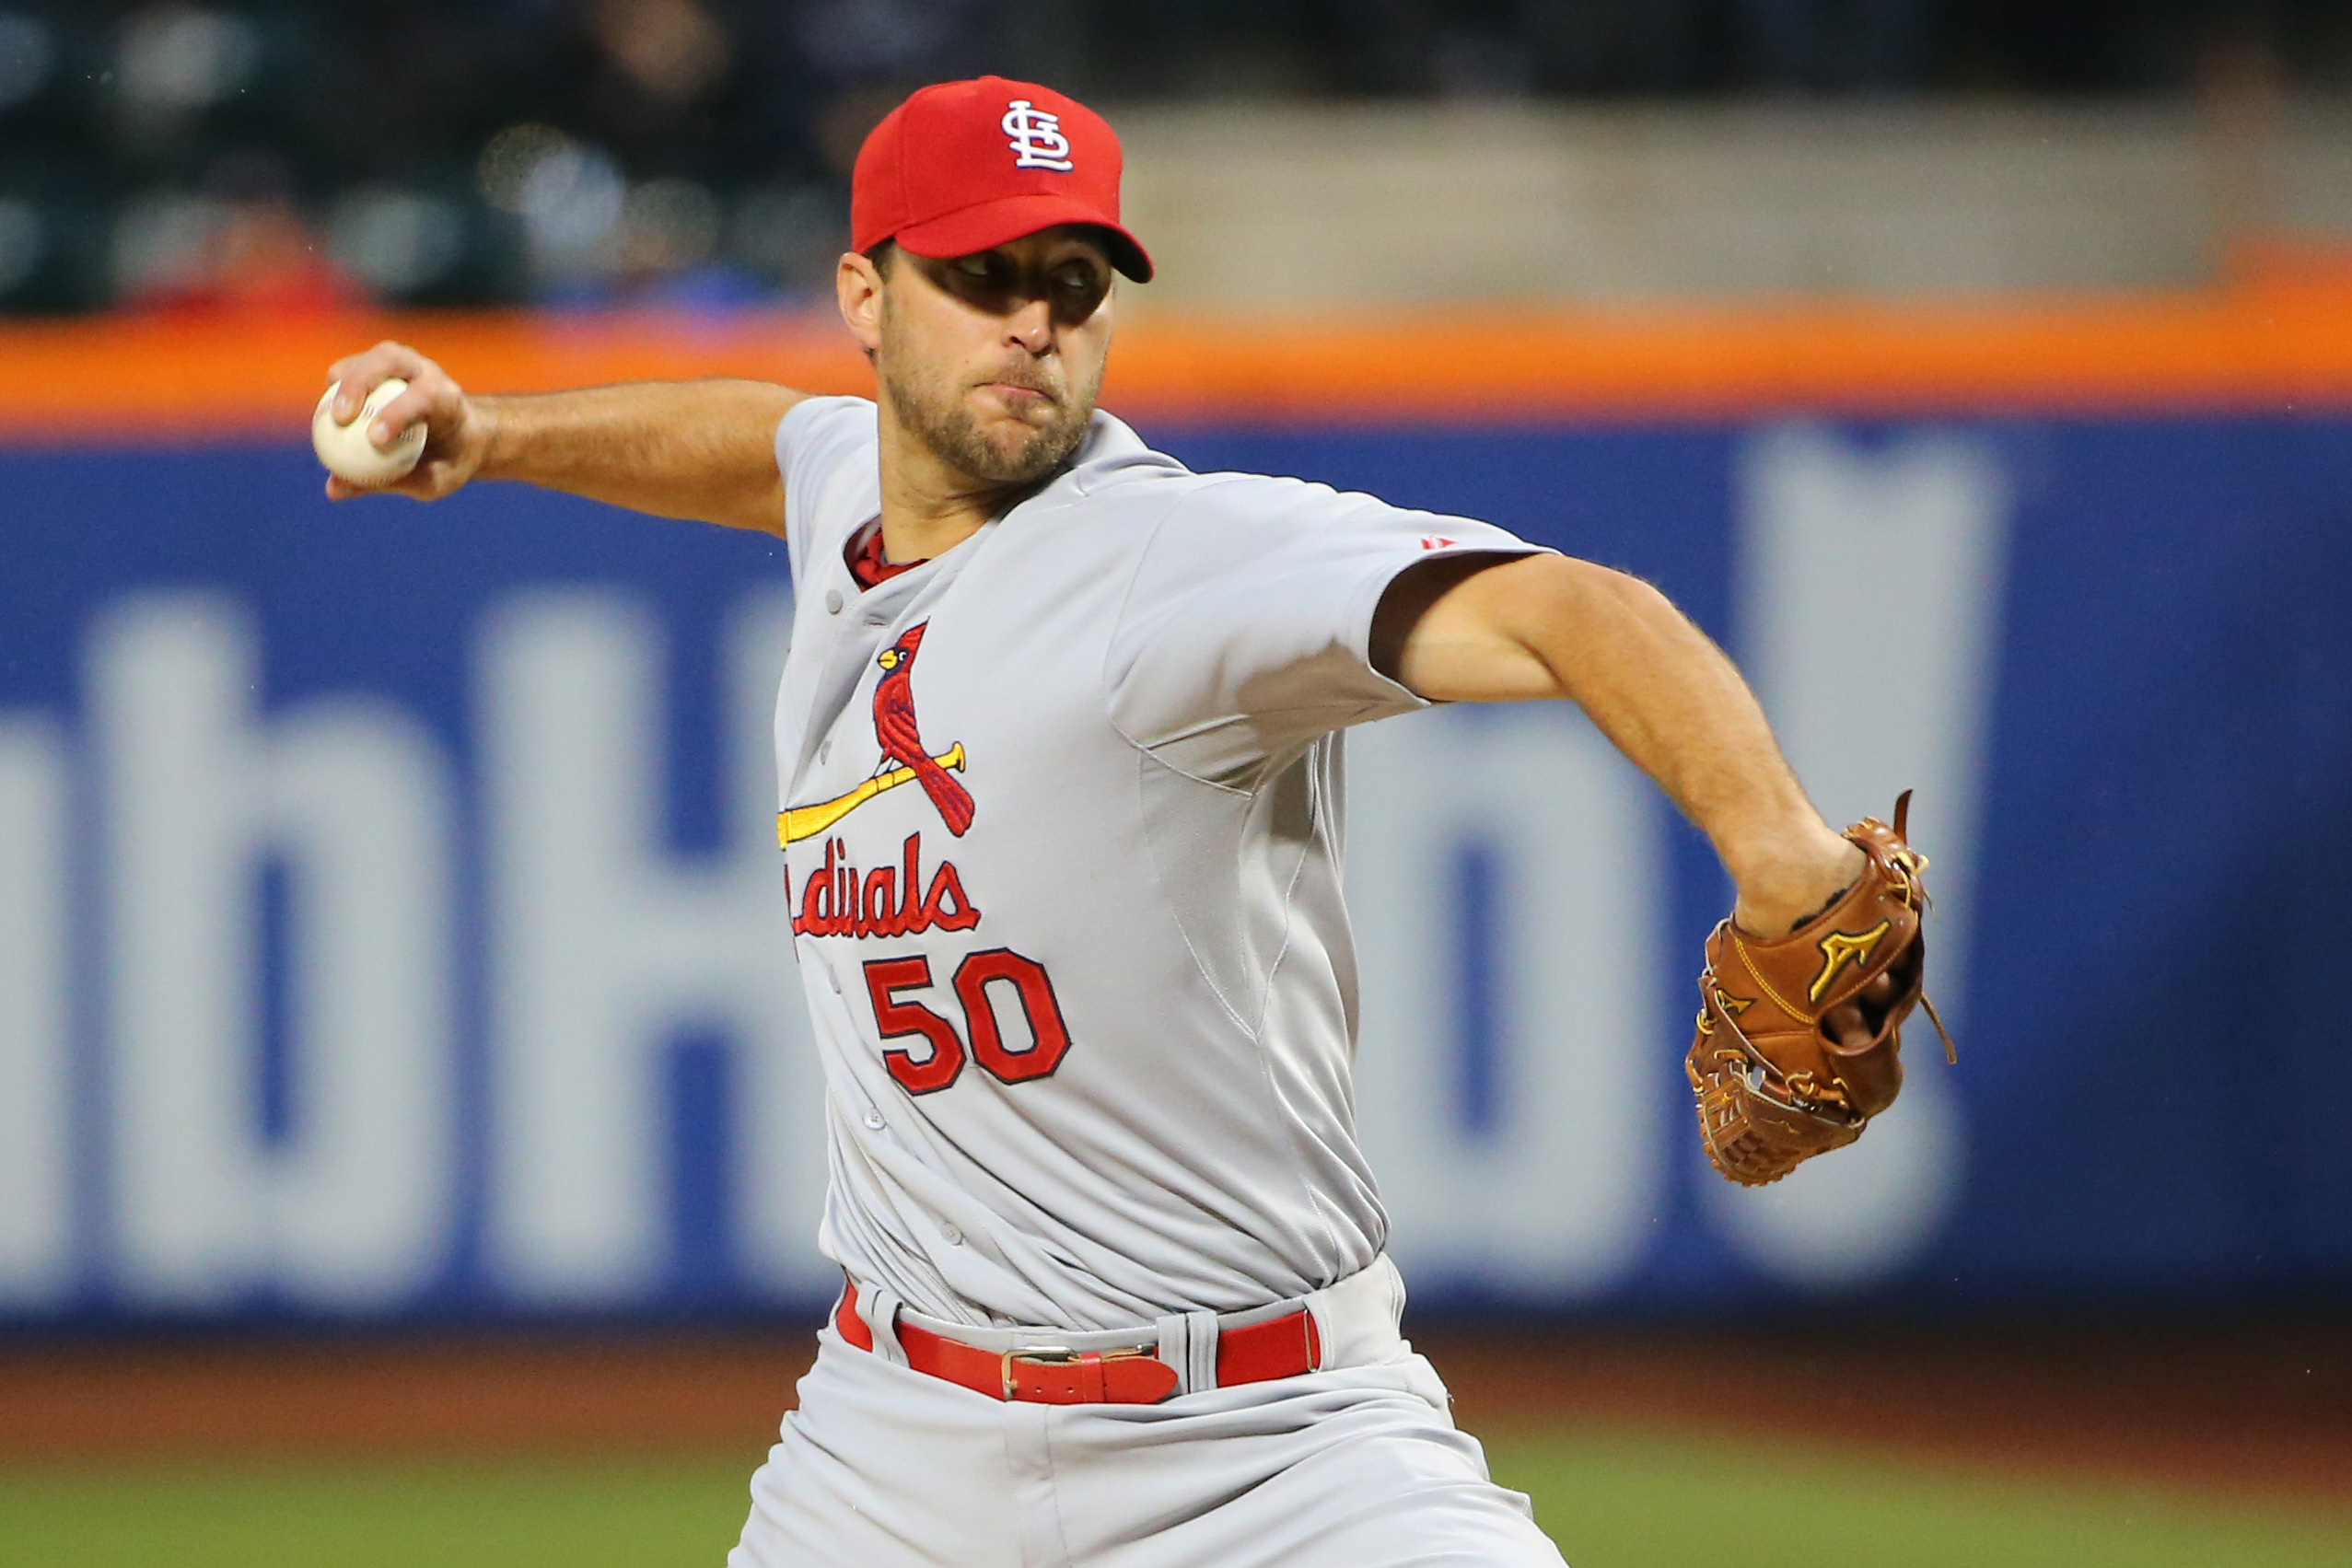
(238, 247)
(649, 80)
(404, 88)
(28, 56)
(173, 62)
(397, 243)
(1620, 46)
(469, 151)
(1840, 45)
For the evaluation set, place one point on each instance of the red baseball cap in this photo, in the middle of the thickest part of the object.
(964, 165)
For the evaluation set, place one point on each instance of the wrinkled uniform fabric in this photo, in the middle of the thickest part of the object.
(1064, 810)
(1353, 1467)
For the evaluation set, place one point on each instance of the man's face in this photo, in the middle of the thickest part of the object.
(993, 360)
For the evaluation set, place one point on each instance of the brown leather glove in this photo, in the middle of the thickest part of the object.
(1798, 1035)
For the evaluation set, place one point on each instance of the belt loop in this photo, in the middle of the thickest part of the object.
(1188, 1348)
(1329, 1342)
(878, 1306)
(1175, 1339)
(1201, 1370)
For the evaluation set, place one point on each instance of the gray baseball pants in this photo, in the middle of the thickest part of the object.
(1355, 1465)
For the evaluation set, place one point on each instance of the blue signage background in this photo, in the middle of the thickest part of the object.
(2154, 933)
(2167, 822)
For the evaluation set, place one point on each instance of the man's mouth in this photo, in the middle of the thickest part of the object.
(1021, 394)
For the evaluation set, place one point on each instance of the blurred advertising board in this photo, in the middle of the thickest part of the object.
(392, 925)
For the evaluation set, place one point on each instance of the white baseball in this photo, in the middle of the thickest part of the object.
(349, 455)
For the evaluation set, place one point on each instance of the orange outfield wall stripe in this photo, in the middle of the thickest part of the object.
(2281, 347)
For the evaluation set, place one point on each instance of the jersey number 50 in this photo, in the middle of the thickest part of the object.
(1000, 967)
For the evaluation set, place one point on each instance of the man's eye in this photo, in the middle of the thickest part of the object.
(972, 266)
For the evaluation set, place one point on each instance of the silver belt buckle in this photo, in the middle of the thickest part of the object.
(1036, 1355)
(1059, 1356)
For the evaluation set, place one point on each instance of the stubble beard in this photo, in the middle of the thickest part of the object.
(939, 413)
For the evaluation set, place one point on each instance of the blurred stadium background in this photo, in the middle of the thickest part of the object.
(406, 1147)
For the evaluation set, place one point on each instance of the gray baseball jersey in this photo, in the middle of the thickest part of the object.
(1062, 820)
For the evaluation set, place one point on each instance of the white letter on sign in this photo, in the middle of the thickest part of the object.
(1536, 1170)
(353, 1208)
(605, 946)
(35, 1105)
(1868, 605)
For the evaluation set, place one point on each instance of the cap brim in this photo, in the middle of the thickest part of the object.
(985, 225)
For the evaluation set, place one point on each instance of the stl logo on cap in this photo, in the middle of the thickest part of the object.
(1036, 137)
(933, 176)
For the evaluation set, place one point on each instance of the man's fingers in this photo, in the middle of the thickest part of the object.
(1856, 1022)
(430, 400)
(358, 377)
(423, 483)
(412, 407)
(363, 373)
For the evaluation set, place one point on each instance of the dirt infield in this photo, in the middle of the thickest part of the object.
(2251, 1411)
(2259, 1410)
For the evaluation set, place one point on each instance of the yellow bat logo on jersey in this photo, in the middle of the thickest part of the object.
(808, 821)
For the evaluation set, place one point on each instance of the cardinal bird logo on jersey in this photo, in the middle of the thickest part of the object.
(906, 759)
(902, 742)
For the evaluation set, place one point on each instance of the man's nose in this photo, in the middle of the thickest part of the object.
(1031, 326)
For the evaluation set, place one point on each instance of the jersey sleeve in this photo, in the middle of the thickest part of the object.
(814, 443)
(1247, 627)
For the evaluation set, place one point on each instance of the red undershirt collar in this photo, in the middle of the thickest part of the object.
(866, 562)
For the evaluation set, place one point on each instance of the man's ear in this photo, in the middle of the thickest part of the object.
(857, 285)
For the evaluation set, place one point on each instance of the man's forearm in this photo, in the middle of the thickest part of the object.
(1665, 695)
(697, 449)
(1671, 701)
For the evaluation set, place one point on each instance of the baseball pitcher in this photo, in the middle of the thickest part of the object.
(1058, 759)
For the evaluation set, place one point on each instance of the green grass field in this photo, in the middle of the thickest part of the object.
(1612, 1500)
(1649, 1502)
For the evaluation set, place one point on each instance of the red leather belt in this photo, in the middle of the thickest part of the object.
(1280, 1347)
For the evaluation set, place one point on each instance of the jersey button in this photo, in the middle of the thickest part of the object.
(955, 1236)
(874, 1120)
(832, 601)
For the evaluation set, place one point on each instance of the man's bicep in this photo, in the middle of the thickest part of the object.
(1260, 615)
(1241, 665)
(756, 499)
(756, 507)
(1466, 628)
